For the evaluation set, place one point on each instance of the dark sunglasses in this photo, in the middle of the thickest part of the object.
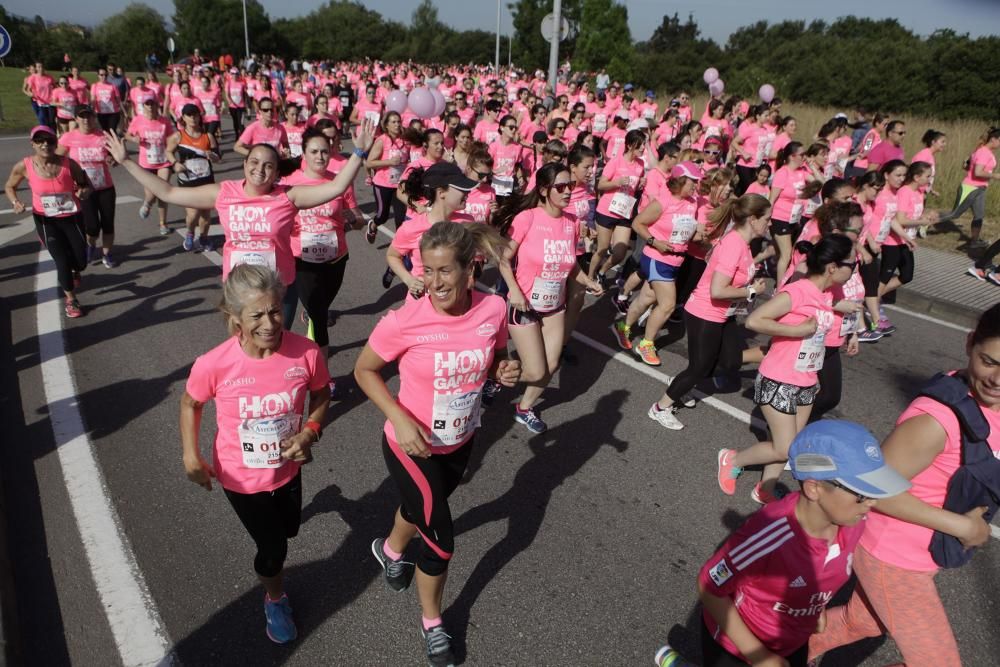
(560, 127)
(849, 265)
(45, 139)
(858, 497)
(511, 127)
(561, 187)
(265, 109)
(483, 174)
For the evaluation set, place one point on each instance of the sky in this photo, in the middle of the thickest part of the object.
(716, 18)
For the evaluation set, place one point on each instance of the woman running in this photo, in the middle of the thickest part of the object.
(267, 129)
(981, 171)
(508, 160)
(898, 261)
(236, 99)
(430, 428)
(264, 428)
(750, 145)
(934, 142)
(543, 242)
(727, 286)
(797, 318)
(58, 184)
(191, 152)
(893, 562)
(481, 201)
(388, 159)
(787, 188)
(150, 131)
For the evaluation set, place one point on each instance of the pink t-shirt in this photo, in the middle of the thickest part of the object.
(487, 132)
(506, 160)
(258, 229)
(294, 134)
(389, 176)
(237, 93)
(780, 577)
(880, 225)
(89, 151)
(904, 544)
(52, 197)
(546, 255)
(754, 144)
(840, 149)
(105, 98)
(258, 403)
(756, 188)
(984, 158)
(797, 360)
(676, 225)
(788, 207)
(616, 142)
(601, 119)
(41, 86)
(407, 240)
(152, 134)
(870, 141)
(444, 361)
(256, 133)
(318, 236)
(477, 204)
(656, 185)
(699, 250)
(138, 97)
(733, 259)
(925, 155)
(582, 204)
(619, 202)
(65, 103)
(211, 103)
(911, 205)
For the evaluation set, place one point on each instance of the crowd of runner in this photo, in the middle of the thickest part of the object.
(716, 224)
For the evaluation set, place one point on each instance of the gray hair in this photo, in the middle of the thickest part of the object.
(243, 281)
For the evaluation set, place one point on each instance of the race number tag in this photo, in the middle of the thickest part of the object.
(96, 176)
(319, 247)
(796, 215)
(261, 438)
(454, 418)
(546, 294)
(197, 167)
(254, 258)
(373, 116)
(811, 352)
(61, 203)
(295, 149)
(209, 108)
(600, 123)
(395, 173)
(683, 229)
(503, 185)
(155, 154)
(236, 96)
(622, 205)
(849, 324)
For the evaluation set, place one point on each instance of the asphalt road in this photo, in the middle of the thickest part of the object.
(578, 546)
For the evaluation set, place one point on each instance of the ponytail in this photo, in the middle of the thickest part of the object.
(413, 186)
(503, 217)
(835, 248)
(930, 136)
(738, 211)
(990, 133)
(785, 153)
(467, 241)
(916, 170)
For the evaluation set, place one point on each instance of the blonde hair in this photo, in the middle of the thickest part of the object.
(243, 281)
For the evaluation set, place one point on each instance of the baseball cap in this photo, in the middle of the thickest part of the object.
(42, 129)
(443, 174)
(650, 93)
(845, 452)
(687, 169)
(841, 115)
(84, 110)
(628, 86)
(637, 124)
(539, 137)
(190, 110)
(621, 113)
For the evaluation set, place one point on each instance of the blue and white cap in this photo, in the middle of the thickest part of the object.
(846, 452)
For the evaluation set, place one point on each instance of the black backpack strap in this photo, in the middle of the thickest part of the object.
(952, 391)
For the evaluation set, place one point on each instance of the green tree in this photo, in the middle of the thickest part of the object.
(216, 26)
(316, 36)
(605, 40)
(530, 50)
(128, 36)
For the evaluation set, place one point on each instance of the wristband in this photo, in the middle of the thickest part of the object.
(315, 427)
(360, 153)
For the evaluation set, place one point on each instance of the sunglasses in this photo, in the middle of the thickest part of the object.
(858, 497)
(560, 127)
(483, 174)
(561, 187)
(711, 152)
(849, 265)
(510, 127)
(46, 139)
(265, 109)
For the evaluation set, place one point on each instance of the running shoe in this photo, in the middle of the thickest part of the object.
(530, 419)
(206, 243)
(73, 308)
(646, 350)
(398, 573)
(621, 304)
(491, 389)
(885, 327)
(372, 232)
(993, 277)
(619, 281)
(976, 272)
(109, 261)
(164, 230)
(870, 336)
(438, 647)
(280, 626)
(761, 496)
(665, 417)
(623, 334)
(387, 278)
(728, 473)
(668, 657)
(922, 231)
(189, 242)
(977, 243)
(144, 211)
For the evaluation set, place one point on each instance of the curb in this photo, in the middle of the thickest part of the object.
(949, 311)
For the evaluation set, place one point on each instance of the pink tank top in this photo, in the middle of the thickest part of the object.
(52, 197)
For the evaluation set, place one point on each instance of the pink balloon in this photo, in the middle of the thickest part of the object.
(717, 87)
(766, 93)
(422, 102)
(710, 75)
(396, 101)
(439, 101)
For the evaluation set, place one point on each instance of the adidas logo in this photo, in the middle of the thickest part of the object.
(798, 583)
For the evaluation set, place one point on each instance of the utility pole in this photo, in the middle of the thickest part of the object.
(554, 47)
(496, 61)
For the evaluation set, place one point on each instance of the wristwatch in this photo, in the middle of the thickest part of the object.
(751, 293)
(650, 241)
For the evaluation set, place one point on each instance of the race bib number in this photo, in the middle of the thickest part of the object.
(96, 176)
(236, 96)
(155, 154)
(455, 418)
(849, 324)
(209, 108)
(295, 149)
(600, 123)
(649, 114)
(811, 352)
(503, 185)
(319, 247)
(254, 258)
(261, 440)
(373, 116)
(739, 308)
(886, 225)
(58, 204)
(683, 229)
(546, 294)
(622, 205)
(395, 173)
(796, 215)
(197, 167)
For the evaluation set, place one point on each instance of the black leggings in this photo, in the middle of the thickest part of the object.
(236, 113)
(318, 285)
(387, 201)
(425, 485)
(271, 518)
(64, 239)
(711, 345)
(830, 378)
(895, 260)
(688, 276)
(99, 213)
(109, 121)
(714, 655)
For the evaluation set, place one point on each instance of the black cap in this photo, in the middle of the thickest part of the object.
(190, 110)
(443, 174)
(539, 137)
(84, 110)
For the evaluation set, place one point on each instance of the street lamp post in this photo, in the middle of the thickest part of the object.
(246, 31)
(496, 61)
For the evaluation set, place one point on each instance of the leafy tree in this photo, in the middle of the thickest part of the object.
(128, 36)
(530, 50)
(605, 40)
(216, 26)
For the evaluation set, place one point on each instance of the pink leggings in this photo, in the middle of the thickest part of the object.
(901, 602)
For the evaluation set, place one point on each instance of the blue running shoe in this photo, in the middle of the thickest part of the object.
(280, 626)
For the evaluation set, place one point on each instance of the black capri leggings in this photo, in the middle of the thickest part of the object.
(236, 114)
(869, 276)
(687, 278)
(831, 379)
(318, 285)
(109, 121)
(271, 518)
(896, 260)
(711, 345)
(424, 485)
(99, 213)
(387, 201)
(64, 239)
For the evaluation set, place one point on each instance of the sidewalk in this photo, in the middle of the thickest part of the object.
(943, 289)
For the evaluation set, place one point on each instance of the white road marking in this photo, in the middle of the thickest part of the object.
(928, 318)
(24, 138)
(25, 225)
(135, 623)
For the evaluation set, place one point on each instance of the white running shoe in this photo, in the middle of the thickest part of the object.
(665, 418)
